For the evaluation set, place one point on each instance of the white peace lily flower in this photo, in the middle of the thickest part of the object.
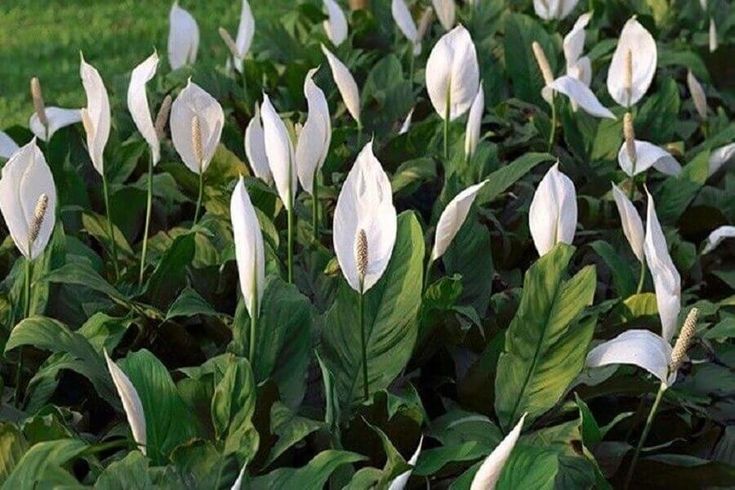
(713, 43)
(446, 11)
(245, 33)
(336, 23)
(474, 123)
(255, 148)
(132, 405)
(666, 279)
(698, 96)
(406, 122)
(58, 118)
(407, 26)
(489, 472)
(573, 45)
(452, 74)
(647, 155)
(30, 217)
(345, 84)
(138, 103)
(183, 37)
(717, 236)
(316, 135)
(280, 153)
(249, 250)
(580, 95)
(553, 213)
(554, 9)
(365, 207)
(452, 218)
(631, 221)
(399, 482)
(7, 145)
(193, 102)
(96, 116)
(633, 64)
(238, 483)
(720, 156)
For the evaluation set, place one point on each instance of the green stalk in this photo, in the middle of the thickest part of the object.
(447, 111)
(315, 207)
(644, 434)
(199, 197)
(552, 133)
(642, 279)
(113, 246)
(359, 136)
(149, 204)
(361, 310)
(427, 271)
(253, 320)
(26, 313)
(290, 241)
(411, 62)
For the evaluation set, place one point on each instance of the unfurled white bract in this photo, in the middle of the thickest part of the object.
(316, 135)
(647, 155)
(25, 179)
(489, 472)
(183, 37)
(474, 123)
(446, 12)
(399, 482)
(280, 153)
(138, 103)
(96, 116)
(552, 217)
(452, 74)
(633, 64)
(132, 405)
(58, 117)
(245, 33)
(193, 102)
(345, 84)
(7, 145)
(697, 93)
(452, 218)
(255, 148)
(554, 9)
(407, 26)
(580, 95)
(365, 204)
(717, 236)
(336, 23)
(631, 222)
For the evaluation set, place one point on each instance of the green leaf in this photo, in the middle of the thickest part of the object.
(622, 276)
(12, 447)
(131, 472)
(313, 475)
(520, 32)
(544, 347)
(200, 465)
(169, 276)
(188, 304)
(81, 274)
(290, 429)
(43, 463)
(503, 178)
(168, 420)
(391, 309)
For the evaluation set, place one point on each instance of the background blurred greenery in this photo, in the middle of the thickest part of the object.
(43, 38)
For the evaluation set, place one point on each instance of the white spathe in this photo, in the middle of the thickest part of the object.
(316, 135)
(345, 84)
(552, 217)
(637, 46)
(717, 236)
(138, 103)
(280, 153)
(474, 123)
(720, 156)
(25, 178)
(489, 472)
(192, 102)
(249, 250)
(553, 9)
(132, 405)
(183, 37)
(58, 117)
(446, 12)
(631, 222)
(245, 33)
(399, 482)
(581, 95)
(255, 148)
(452, 218)
(406, 24)
(7, 145)
(96, 116)
(452, 74)
(336, 23)
(365, 203)
(647, 155)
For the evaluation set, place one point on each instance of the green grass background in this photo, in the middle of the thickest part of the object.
(43, 38)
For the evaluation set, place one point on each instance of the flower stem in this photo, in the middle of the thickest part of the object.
(411, 62)
(361, 312)
(447, 111)
(253, 331)
(110, 229)
(27, 289)
(642, 279)
(644, 434)
(315, 207)
(149, 204)
(552, 133)
(359, 135)
(427, 271)
(199, 197)
(290, 242)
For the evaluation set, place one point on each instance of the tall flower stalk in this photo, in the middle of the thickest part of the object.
(361, 259)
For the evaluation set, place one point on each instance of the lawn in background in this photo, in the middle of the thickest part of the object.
(43, 38)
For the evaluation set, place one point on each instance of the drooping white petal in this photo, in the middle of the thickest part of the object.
(345, 84)
(365, 203)
(336, 23)
(640, 348)
(552, 216)
(58, 118)
(132, 405)
(698, 96)
(553, 9)
(452, 218)
(255, 148)
(316, 135)
(399, 482)
(717, 236)
(648, 155)
(194, 101)
(25, 178)
(404, 21)
(249, 249)
(581, 95)
(280, 153)
(574, 41)
(720, 157)
(138, 103)
(406, 122)
(637, 46)
(489, 472)
(245, 33)
(7, 145)
(183, 37)
(97, 114)
(474, 123)
(238, 483)
(446, 12)
(452, 73)
(631, 222)
(713, 43)
(666, 279)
